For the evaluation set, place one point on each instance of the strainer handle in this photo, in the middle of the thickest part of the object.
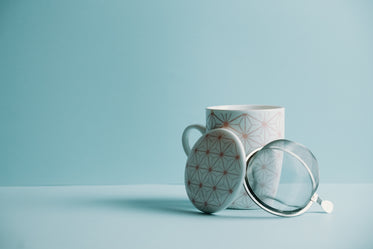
(326, 205)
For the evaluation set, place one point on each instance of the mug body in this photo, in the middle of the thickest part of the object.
(255, 126)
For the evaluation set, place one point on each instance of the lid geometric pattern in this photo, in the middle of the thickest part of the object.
(215, 170)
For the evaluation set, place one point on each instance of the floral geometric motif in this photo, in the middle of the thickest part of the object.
(254, 129)
(264, 174)
(214, 171)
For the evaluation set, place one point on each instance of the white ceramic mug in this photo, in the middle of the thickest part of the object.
(255, 126)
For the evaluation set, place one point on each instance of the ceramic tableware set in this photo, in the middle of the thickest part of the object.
(242, 161)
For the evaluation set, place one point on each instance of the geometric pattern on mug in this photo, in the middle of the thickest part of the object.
(214, 171)
(254, 130)
(265, 167)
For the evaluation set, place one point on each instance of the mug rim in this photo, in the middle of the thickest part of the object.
(244, 108)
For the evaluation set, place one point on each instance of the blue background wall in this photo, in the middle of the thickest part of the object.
(98, 92)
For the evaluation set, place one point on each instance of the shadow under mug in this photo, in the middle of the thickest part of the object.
(255, 126)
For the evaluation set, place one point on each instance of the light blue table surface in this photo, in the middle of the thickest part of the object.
(160, 216)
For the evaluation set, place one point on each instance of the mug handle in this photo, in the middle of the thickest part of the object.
(185, 136)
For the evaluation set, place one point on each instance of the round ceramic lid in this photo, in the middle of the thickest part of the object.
(215, 170)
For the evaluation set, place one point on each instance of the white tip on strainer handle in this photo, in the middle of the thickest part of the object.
(327, 206)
